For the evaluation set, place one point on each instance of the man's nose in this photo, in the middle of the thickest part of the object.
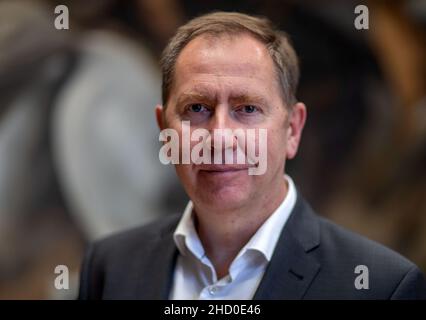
(220, 118)
(221, 128)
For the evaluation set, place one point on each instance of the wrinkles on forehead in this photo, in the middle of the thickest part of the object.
(209, 95)
(238, 55)
(242, 63)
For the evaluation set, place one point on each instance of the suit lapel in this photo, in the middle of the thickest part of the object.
(288, 275)
(291, 269)
(156, 278)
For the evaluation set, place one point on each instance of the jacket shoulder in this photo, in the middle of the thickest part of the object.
(136, 238)
(345, 255)
(349, 245)
(117, 260)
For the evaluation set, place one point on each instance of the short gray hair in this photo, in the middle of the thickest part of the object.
(277, 42)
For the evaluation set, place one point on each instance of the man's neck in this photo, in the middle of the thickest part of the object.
(223, 234)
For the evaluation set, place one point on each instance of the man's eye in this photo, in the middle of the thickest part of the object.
(249, 109)
(197, 107)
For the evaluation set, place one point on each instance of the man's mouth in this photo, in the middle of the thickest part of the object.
(220, 168)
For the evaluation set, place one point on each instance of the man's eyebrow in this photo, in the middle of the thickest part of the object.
(248, 97)
(192, 96)
(210, 96)
(200, 95)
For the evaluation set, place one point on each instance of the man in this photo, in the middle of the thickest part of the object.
(242, 236)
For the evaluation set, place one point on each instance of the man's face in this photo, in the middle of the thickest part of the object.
(230, 82)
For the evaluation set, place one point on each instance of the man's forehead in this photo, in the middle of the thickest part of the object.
(205, 91)
(237, 55)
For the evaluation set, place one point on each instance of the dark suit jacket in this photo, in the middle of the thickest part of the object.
(313, 259)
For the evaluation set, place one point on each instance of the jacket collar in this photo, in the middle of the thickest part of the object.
(155, 282)
(292, 269)
(288, 275)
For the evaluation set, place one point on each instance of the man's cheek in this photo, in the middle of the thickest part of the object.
(186, 174)
(276, 151)
(257, 151)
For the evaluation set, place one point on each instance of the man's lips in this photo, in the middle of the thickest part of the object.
(222, 168)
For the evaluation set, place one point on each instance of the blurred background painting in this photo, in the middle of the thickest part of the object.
(79, 142)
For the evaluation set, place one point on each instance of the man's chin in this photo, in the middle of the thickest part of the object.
(223, 176)
(225, 199)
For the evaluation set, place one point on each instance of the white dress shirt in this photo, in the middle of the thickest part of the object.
(194, 274)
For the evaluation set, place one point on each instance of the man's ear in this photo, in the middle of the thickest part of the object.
(159, 115)
(297, 118)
